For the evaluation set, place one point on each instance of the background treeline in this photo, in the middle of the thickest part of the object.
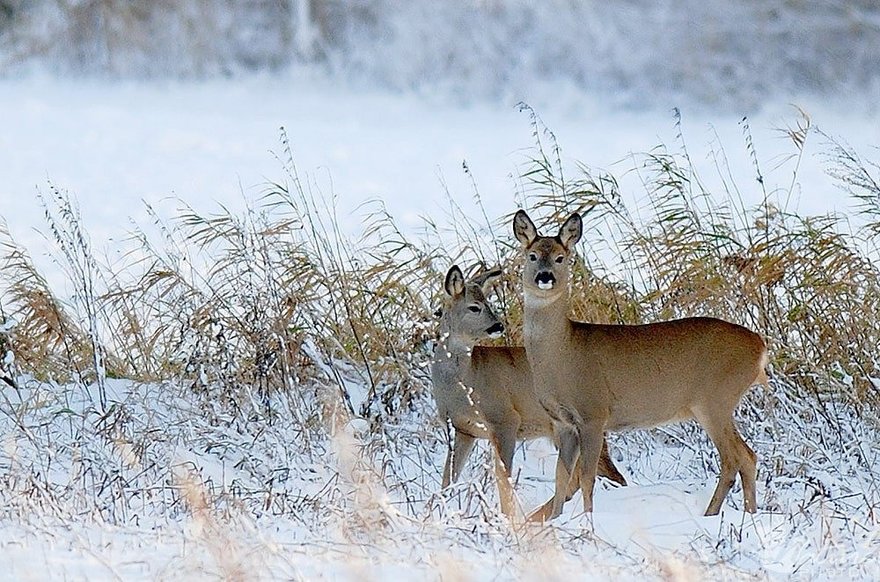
(716, 53)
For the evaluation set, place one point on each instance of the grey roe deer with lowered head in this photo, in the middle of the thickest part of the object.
(594, 378)
(485, 391)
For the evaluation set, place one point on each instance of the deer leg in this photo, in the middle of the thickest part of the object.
(504, 441)
(565, 438)
(721, 437)
(545, 511)
(748, 470)
(746, 466)
(565, 467)
(607, 468)
(736, 457)
(457, 456)
(591, 435)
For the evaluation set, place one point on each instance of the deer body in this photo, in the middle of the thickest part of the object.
(487, 392)
(482, 389)
(591, 378)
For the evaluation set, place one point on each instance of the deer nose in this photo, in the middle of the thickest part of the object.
(495, 330)
(545, 280)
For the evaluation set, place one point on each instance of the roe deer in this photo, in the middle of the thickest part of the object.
(486, 392)
(595, 378)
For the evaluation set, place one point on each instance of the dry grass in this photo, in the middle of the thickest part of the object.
(268, 296)
(809, 284)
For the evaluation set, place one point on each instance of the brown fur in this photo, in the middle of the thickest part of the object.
(592, 378)
(486, 392)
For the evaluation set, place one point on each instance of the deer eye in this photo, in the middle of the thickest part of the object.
(533, 257)
(559, 259)
(474, 308)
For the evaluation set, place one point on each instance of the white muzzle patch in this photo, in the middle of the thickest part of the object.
(545, 285)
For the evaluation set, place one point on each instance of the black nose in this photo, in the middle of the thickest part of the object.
(495, 328)
(545, 277)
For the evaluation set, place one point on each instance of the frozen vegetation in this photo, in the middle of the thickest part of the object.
(245, 394)
(235, 384)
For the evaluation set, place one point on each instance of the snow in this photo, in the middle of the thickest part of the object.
(169, 485)
(175, 494)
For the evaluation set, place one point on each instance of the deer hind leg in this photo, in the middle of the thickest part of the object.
(607, 468)
(748, 471)
(736, 457)
(458, 454)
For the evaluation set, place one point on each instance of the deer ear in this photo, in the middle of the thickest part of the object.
(487, 279)
(571, 231)
(454, 283)
(523, 228)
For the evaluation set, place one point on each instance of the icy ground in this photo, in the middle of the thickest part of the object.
(168, 486)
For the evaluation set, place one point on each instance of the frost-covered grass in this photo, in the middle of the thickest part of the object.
(246, 395)
(167, 486)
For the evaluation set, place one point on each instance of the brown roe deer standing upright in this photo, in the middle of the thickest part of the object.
(592, 378)
(484, 391)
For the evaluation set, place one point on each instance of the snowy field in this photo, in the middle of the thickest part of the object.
(167, 485)
(166, 488)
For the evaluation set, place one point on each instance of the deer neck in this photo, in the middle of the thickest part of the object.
(546, 321)
(452, 352)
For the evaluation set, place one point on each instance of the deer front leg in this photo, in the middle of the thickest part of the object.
(545, 512)
(591, 436)
(566, 438)
(606, 469)
(456, 457)
(504, 442)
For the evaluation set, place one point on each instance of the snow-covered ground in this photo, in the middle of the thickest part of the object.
(168, 487)
(282, 500)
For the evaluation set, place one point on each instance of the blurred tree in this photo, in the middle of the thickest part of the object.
(713, 52)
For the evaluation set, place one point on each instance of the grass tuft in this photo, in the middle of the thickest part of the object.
(270, 349)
